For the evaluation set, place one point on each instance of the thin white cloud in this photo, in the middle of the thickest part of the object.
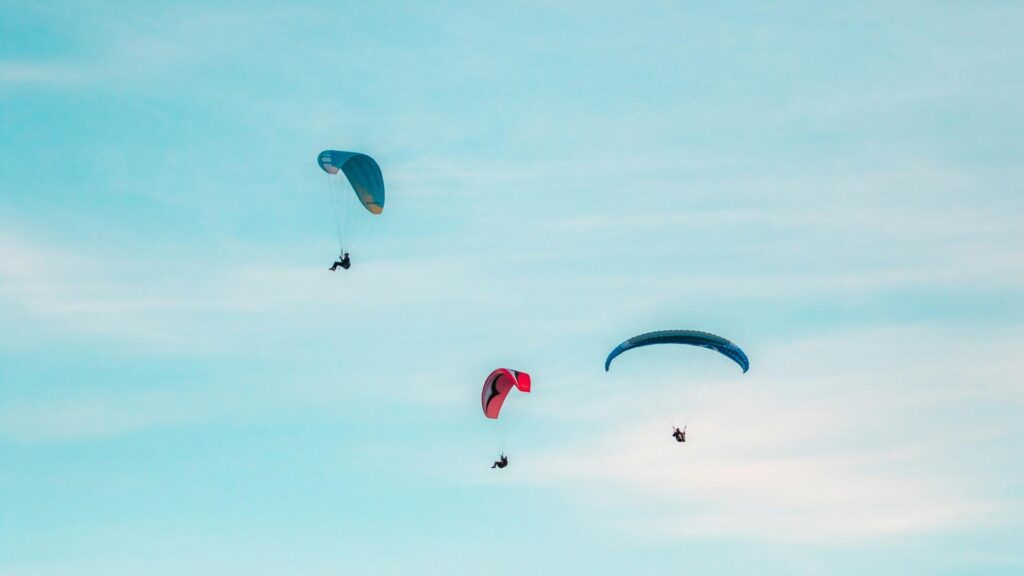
(841, 439)
(163, 304)
(160, 302)
(146, 48)
(30, 73)
(95, 417)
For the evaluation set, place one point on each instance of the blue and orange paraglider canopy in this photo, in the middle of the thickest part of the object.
(362, 172)
(498, 385)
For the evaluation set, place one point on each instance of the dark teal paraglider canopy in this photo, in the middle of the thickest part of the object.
(690, 337)
(362, 172)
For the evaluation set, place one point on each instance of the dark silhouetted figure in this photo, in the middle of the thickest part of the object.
(680, 435)
(344, 263)
(500, 463)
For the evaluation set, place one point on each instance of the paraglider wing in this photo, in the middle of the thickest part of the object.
(690, 337)
(362, 172)
(498, 385)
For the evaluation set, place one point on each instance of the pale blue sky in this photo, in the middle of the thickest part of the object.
(184, 388)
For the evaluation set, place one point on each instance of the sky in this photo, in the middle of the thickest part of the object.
(185, 388)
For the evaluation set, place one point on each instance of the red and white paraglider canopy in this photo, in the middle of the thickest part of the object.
(498, 385)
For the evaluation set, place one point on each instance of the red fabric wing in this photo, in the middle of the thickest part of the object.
(498, 385)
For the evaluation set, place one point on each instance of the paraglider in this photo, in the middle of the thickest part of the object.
(362, 175)
(690, 337)
(344, 262)
(496, 388)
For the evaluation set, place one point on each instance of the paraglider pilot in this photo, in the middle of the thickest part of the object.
(344, 263)
(680, 435)
(500, 463)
